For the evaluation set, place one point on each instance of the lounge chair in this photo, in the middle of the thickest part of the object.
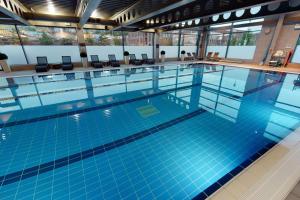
(113, 61)
(189, 56)
(95, 62)
(215, 57)
(209, 55)
(42, 64)
(67, 63)
(146, 60)
(134, 61)
(280, 58)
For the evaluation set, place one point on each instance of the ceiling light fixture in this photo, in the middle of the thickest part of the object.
(51, 7)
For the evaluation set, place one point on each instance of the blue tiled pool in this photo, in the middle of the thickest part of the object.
(173, 132)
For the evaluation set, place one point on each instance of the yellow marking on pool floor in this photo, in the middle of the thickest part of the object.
(147, 111)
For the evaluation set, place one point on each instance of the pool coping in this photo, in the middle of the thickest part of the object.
(272, 176)
(238, 65)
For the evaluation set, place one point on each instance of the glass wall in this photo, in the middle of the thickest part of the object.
(169, 43)
(10, 45)
(103, 42)
(237, 40)
(53, 42)
(242, 43)
(138, 43)
(218, 41)
(296, 56)
(188, 41)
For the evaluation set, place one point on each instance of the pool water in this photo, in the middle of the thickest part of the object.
(162, 132)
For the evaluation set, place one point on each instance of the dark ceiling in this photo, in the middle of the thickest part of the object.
(62, 7)
(108, 8)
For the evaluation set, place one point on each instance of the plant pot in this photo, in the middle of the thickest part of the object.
(162, 58)
(126, 60)
(84, 61)
(182, 57)
(5, 66)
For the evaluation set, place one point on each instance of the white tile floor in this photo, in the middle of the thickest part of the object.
(273, 176)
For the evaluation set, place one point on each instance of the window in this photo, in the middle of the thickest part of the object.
(169, 43)
(103, 37)
(10, 45)
(169, 38)
(8, 35)
(296, 56)
(103, 43)
(139, 43)
(242, 35)
(137, 39)
(32, 35)
(188, 41)
(217, 41)
(242, 43)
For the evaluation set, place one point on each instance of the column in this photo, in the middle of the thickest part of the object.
(82, 47)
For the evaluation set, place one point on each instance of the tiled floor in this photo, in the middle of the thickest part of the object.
(295, 194)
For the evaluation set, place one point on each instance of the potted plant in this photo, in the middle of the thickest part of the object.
(126, 57)
(182, 55)
(3, 63)
(84, 59)
(162, 56)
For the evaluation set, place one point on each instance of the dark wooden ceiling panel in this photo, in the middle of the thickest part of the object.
(58, 7)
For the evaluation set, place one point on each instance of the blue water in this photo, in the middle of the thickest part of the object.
(142, 133)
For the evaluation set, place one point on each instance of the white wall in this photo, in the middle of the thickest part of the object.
(15, 54)
(296, 56)
(241, 52)
(103, 51)
(171, 51)
(189, 49)
(138, 50)
(220, 49)
(53, 53)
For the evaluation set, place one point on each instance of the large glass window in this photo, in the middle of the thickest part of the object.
(189, 41)
(10, 45)
(296, 56)
(103, 37)
(169, 43)
(32, 35)
(242, 44)
(53, 42)
(237, 40)
(103, 43)
(217, 41)
(138, 43)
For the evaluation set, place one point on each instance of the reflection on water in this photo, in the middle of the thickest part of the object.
(220, 90)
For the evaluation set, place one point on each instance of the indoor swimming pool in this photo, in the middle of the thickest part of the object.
(161, 132)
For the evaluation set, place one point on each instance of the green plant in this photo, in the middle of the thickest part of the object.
(182, 52)
(66, 41)
(126, 53)
(117, 41)
(46, 40)
(103, 40)
(162, 53)
(90, 41)
(3, 56)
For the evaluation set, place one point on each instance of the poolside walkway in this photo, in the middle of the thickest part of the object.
(249, 66)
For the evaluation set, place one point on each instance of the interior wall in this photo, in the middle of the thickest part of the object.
(287, 38)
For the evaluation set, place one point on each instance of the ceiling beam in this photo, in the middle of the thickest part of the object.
(86, 9)
(183, 11)
(15, 10)
(150, 14)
